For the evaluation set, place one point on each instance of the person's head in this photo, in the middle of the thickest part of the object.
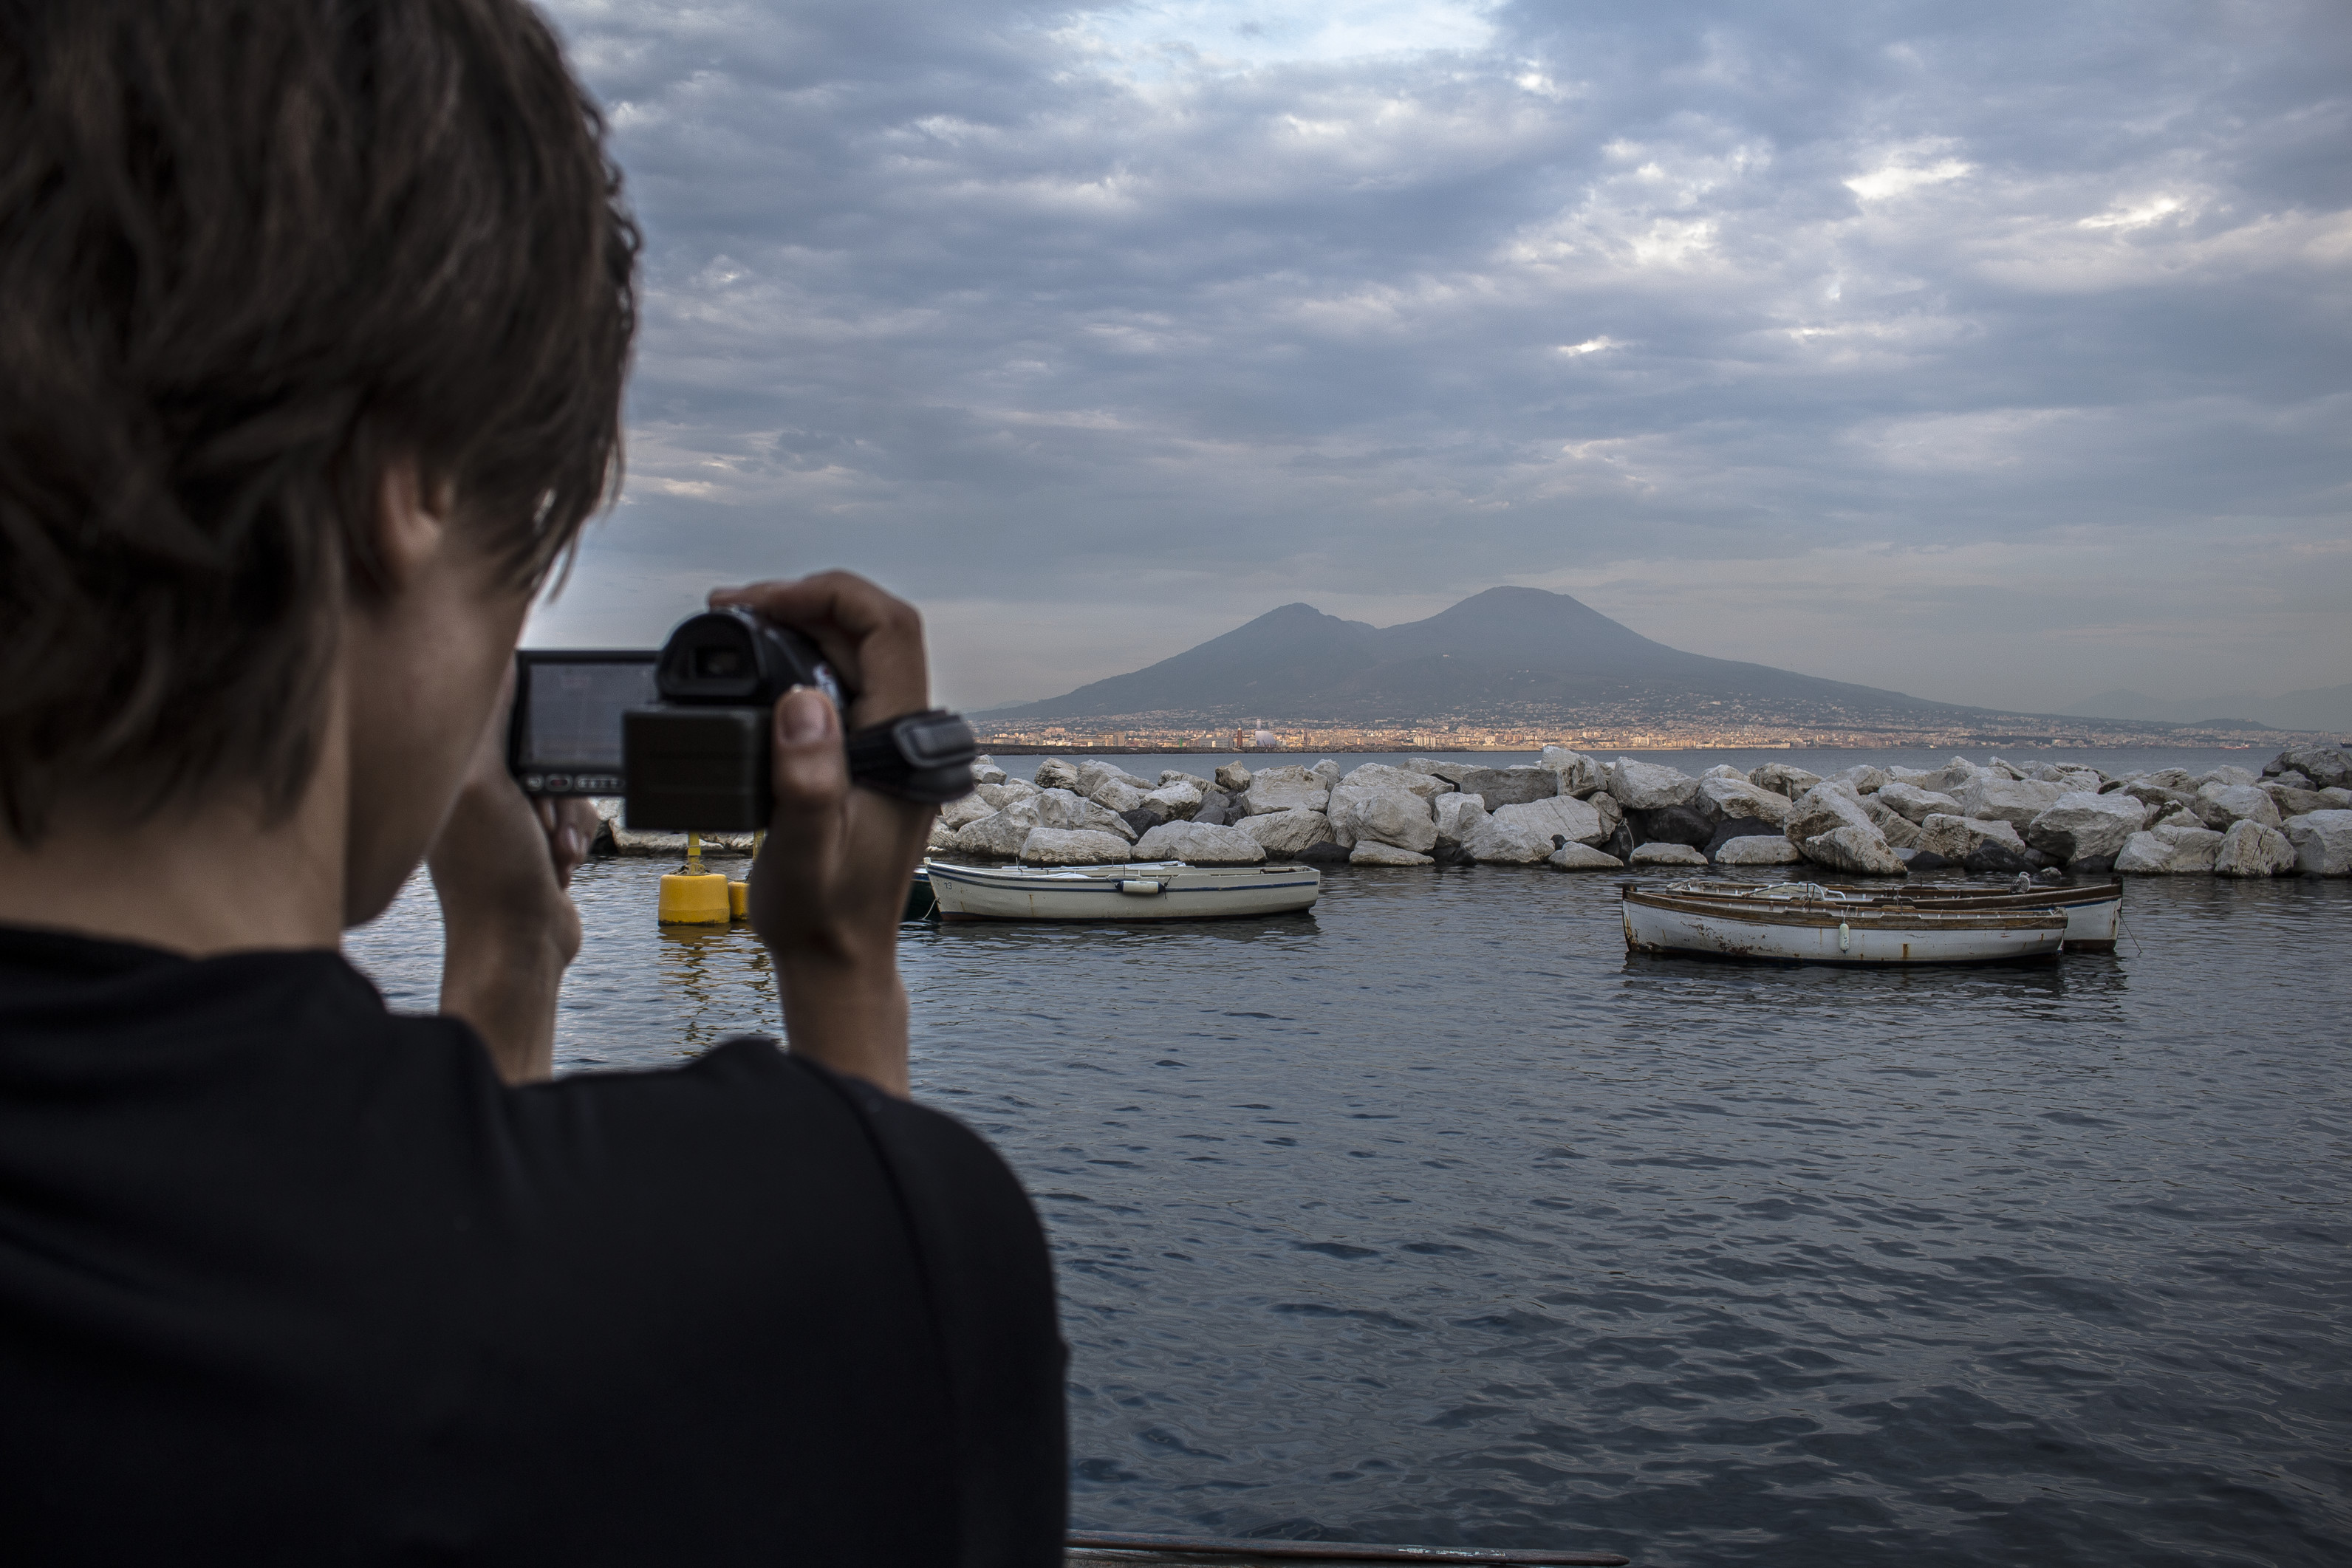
(314, 316)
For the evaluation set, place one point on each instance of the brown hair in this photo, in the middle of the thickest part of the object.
(250, 252)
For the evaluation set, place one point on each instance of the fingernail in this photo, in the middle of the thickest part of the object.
(803, 714)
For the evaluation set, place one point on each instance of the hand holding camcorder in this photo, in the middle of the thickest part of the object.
(683, 735)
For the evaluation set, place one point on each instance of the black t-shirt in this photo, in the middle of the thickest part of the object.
(285, 1278)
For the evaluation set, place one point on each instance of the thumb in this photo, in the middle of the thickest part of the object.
(809, 771)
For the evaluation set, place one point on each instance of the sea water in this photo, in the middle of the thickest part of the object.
(1433, 1216)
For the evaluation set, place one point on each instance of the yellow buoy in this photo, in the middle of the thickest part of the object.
(738, 899)
(695, 898)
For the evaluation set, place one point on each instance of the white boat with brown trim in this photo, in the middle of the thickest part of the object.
(1805, 923)
(1154, 890)
(2093, 911)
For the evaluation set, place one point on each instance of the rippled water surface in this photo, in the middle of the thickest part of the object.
(1432, 1217)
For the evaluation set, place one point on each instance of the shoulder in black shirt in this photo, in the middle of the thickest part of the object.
(287, 1277)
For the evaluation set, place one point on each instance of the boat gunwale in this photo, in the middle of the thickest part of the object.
(1934, 902)
(1819, 916)
(1954, 892)
(1105, 878)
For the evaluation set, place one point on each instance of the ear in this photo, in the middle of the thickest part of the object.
(412, 523)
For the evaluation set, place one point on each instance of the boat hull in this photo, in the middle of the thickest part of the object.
(1852, 936)
(2093, 912)
(921, 902)
(1122, 893)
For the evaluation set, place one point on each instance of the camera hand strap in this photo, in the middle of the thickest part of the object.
(923, 757)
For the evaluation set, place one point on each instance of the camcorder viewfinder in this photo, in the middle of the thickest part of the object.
(692, 740)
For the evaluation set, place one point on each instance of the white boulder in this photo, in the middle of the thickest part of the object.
(1328, 772)
(1113, 787)
(971, 808)
(1865, 779)
(1916, 803)
(2072, 779)
(1783, 779)
(1758, 849)
(1233, 777)
(1649, 787)
(1458, 817)
(1562, 816)
(1286, 834)
(1828, 805)
(1371, 852)
(1579, 775)
(2085, 826)
(1057, 773)
(1174, 802)
(2227, 777)
(1074, 846)
(1943, 780)
(1389, 816)
(1668, 854)
(1856, 850)
(2016, 801)
(1075, 813)
(1582, 857)
(2250, 849)
(2326, 765)
(1525, 834)
(999, 796)
(2293, 801)
(1198, 844)
(1728, 796)
(1284, 789)
(2221, 804)
(1114, 795)
(1899, 830)
(1380, 776)
(1001, 834)
(2323, 843)
(1957, 838)
(2184, 853)
(1509, 785)
(985, 771)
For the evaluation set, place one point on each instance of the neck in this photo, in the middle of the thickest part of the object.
(210, 878)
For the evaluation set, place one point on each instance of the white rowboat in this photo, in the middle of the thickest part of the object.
(1804, 923)
(2093, 911)
(1156, 890)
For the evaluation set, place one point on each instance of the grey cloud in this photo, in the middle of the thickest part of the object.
(1935, 321)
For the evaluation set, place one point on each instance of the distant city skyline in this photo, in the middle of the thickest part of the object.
(1995, 355)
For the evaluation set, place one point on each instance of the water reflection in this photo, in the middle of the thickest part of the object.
(1434, 1217)
(722, 979)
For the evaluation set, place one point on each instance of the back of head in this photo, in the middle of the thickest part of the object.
(251, 252)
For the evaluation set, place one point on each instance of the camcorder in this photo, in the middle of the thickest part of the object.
(681, 733)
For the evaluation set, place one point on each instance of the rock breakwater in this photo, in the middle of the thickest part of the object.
(1575, 812)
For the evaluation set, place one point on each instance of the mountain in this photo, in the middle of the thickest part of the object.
(1509, 651)
(2139, 707)
(2318, 708)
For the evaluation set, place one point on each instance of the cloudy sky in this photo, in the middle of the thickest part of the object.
(1996, 352)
